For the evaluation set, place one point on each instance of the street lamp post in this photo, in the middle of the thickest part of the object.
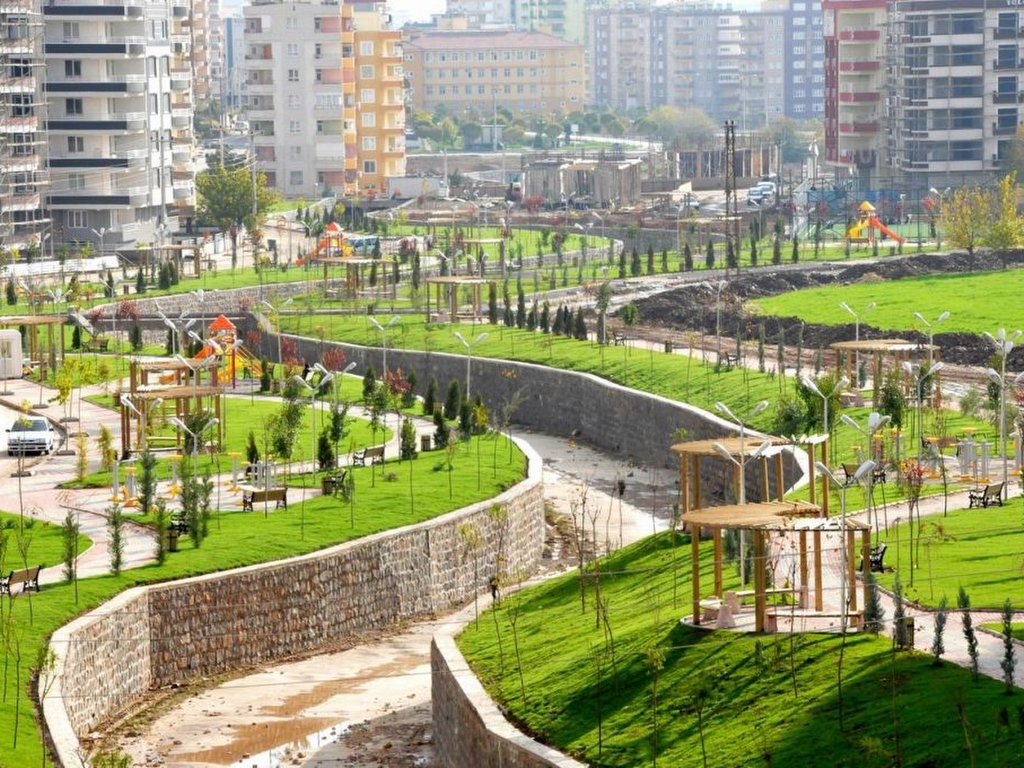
(856, 334)
(384, 339)
(812, 385)
(864, 469)
(741, 423)
(313, 390)
(930, 329)
(179, 424)
(177, 332)
(277, 314)
(918, 371)
(142, 414)
(100, 233)
(1003, 344)
(469, 355)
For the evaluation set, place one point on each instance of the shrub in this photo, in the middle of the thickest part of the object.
(407, 444)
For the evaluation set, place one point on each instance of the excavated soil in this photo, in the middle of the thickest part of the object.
(692, 307)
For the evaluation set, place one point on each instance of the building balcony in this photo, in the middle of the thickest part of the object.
(127, 121)
(860, 66)
(27, 201)
(1007, 33)
(124, 84)
(865, 97)
(1009, 129)
(124, 46)
(181, 117)
(181, 153)
(1009, 97)
(117, 197)
(182, 192)
(858, 128)
(1003, 64)
(104, 10)
(859, 35)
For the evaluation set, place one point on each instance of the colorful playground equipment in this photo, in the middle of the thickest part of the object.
(867, 222)
(220, 338)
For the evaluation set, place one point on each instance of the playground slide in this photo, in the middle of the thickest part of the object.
(857, 229)
(885, 230)
(248, 360)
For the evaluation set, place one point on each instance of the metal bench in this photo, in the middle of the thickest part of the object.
(27, 577)
(253, 496)
(983, 497)
(372, 455)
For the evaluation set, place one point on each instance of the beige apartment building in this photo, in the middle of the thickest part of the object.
(477, 71)
(324, 84)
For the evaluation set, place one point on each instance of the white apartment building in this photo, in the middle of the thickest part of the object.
(118, 85)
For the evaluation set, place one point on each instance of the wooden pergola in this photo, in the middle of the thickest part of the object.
(451, 284)
(354, 272)
(763, 519)
(33, 323)
(881, 350)
(692, 452)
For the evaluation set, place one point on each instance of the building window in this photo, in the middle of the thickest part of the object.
(72, 68)
(366, 48)
(319, 126)
(369, 143)
(366, 72)
(76, 144)
(369, 166)
(293, 49)
(295, 178)
(72, 106)
(293, 100)
(368, 119)
(295, 152)
(293, 75)
(292, 22)
(71, 30)
(294, 126)
(78, 219)
(76, 181)
(367, 95)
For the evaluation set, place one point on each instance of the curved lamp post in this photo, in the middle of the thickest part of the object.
(717, 288)
(856, 334)
(930, 329)
(469, 355)
(812, 385)
(313, 390)
(1003, 343)
(919, 372)
(179, 424)
(864, 469)
(384, 339)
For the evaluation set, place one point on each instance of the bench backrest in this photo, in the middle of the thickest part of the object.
(994, 490)
(28, 574)
(376, 450)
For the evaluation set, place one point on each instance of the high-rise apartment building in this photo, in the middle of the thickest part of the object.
(526, 72)
(119, 122)
(921, 94)
(234, 62)
(561, 18)
(22, 113)
(325, 97)
(733, 65)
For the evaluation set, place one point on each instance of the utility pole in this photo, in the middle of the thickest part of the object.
(732, 224)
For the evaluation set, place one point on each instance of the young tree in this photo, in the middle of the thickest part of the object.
(963, 602)
(430, 398)
(452, 400)
(69, 545)
(938, 646)
(1006, 227)
(325, 455)
(709, 255)
(964, 216)
(1009, 662)
(115, 522)
(147, 481)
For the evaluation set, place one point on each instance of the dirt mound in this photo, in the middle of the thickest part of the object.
(692, 307)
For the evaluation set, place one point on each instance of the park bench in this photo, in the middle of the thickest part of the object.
(982, 497)
(253, 496)
(373, 455)
(332, 484)
(850, 470)
(27, 577)
(97, 345)
(876, 558)
(729, 361)
(179, 523)
(854, 619)
(621, 339)
(735, 599)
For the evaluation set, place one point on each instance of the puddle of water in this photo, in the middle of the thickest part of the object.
(280, 743)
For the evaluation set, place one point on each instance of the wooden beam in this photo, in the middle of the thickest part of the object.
(818, 597)
(695, 567)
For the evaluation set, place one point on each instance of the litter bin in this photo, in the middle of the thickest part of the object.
(905, 633)
(424, 442)
(668, 347)
(328, 485)
(172, 538)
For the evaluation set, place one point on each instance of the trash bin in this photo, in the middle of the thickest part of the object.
(668, 347)
(328, 485)
(905, 633)
(172, 539)
(424, 442)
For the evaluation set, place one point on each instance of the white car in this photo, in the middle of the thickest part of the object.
(30, 434)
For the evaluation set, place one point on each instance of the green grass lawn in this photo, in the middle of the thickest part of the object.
(27, 541)
(897, 300)
(740, 699)
(979, 549)
(400, 493)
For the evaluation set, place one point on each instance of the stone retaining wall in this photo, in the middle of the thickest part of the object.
(468, 727)
(153, 636)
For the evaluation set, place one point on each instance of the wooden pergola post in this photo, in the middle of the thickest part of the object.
(865, 554)
(760, 603)
(716, 534)
(818, 596)
(695, 580)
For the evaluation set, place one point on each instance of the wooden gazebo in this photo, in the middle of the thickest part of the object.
(54, 338)
(451, 285)
(885, 354)
(794, 517)
(354, 267)
(692, 452)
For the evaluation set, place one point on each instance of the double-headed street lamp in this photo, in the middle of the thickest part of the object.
(469, 355)
(920, 373)
(176, 331)
(182, 426)
(384, 339)
(1003, 343)
(856, 334)
(718, 288)
(865, 469)
(930, 329)
(270, 329)
(812, 385)
(313, 391)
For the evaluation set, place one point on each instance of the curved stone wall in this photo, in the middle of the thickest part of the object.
(161, 634)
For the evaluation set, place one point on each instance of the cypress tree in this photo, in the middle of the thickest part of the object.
(709, 256)
(580, 326)
(492, 304)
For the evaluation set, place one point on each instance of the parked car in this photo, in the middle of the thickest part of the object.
(30, 434)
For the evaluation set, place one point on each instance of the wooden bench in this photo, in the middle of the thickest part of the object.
(854, 619)
(251, 496)
(97, 345)
(373, 454)
(735, 599)
(729, 361)
(333, 484)
(621, 339)
(850, 470)
(27, 577)
(982, 497)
